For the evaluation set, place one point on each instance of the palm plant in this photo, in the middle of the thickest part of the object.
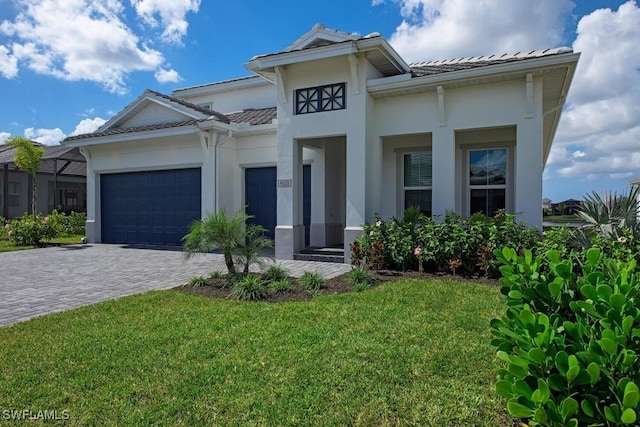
(608, 214)
(251, 251)
(28, 157)
(217, 231)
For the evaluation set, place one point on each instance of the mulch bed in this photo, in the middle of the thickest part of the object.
(218, 288)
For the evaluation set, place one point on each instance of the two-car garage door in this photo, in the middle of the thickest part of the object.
(156, 207)
(151, 207)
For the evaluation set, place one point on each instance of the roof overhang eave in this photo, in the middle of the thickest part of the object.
(380, 44)
(132, 136)
(390, 84)
(571, 69)
(269, 62)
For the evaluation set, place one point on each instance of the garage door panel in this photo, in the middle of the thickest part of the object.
(151, 207)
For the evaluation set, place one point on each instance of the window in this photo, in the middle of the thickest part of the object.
(321, 98)
(13, 195)
(417, 181)
(487, 181)
(69, 200)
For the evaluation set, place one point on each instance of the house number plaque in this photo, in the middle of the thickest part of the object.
(284, 183)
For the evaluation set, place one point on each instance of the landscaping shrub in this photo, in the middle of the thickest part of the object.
(197, 281)
(570, 339)
(359, 278)
(283, 285)
(312, 281)
(251, 288)
(30, 230)
(275, 273)
(76, 223)
(455, 244)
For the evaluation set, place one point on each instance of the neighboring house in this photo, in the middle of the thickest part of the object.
(327, 133)
(546, 204)
(567, 207)
(61, 182)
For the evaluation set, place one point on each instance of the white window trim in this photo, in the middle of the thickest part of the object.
(508, 177)
(404, 188)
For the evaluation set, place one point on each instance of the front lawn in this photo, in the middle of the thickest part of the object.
(413, 352)
(7, 246)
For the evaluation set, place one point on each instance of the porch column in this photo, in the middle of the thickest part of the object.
(55, 183)
(356, 189)
(5, 190)
(208, 143)
(289, 232)
(528, 171)
(92, 225)
(317, 232)
(443, 193)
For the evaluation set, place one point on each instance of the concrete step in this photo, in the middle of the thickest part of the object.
(321, 255)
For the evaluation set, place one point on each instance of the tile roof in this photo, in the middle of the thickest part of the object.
(213, 114)
(262, 116)
(117, 131)
(445, 66)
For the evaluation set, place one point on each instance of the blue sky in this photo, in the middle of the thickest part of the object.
(66, 66)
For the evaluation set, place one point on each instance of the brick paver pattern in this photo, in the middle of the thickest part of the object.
(41, 281)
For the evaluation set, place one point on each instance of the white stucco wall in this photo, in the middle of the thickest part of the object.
(238, 99)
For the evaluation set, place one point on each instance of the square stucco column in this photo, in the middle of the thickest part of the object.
(92, 225)
(443, 193)
(528, 172)
(208, 173)
(289, 232)
(356, 190)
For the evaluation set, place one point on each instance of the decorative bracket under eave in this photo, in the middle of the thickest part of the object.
(529, 113)
(355, 74)
(281, 76)
(441, 112)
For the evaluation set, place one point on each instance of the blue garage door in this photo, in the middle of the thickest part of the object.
(149, 208)
(261, 198)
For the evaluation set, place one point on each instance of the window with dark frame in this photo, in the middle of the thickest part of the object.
(321, 98)
(13, 195)
(487, 181)
(417, 181)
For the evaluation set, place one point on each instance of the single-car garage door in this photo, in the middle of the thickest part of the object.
(149, 208)
(261, 197)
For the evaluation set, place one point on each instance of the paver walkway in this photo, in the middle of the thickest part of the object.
(41, 281)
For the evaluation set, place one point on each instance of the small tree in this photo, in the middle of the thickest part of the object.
(238, 242)
(28, 157)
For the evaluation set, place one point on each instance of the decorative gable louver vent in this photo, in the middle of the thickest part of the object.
(321, 98)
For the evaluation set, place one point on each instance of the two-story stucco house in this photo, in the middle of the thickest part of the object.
(325, 134)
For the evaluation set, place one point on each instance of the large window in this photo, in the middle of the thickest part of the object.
(13, 195)
(321, 98)
(417, 181)
(487, 180)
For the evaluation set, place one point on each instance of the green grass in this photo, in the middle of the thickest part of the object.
(7, 246)
(406, 353)
(562, 218)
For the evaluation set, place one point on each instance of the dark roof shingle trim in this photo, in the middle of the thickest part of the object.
(254, 117)
(118, 131)
(214, 114)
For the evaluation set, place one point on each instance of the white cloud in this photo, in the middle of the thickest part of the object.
(167, 76)
(8, 63)
(45, 136)
(4, 136)
(88, 126)
(87, 39)
(441, 29)
(603, 115)
(172, 14)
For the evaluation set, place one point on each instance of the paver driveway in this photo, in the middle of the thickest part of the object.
(41, 281)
